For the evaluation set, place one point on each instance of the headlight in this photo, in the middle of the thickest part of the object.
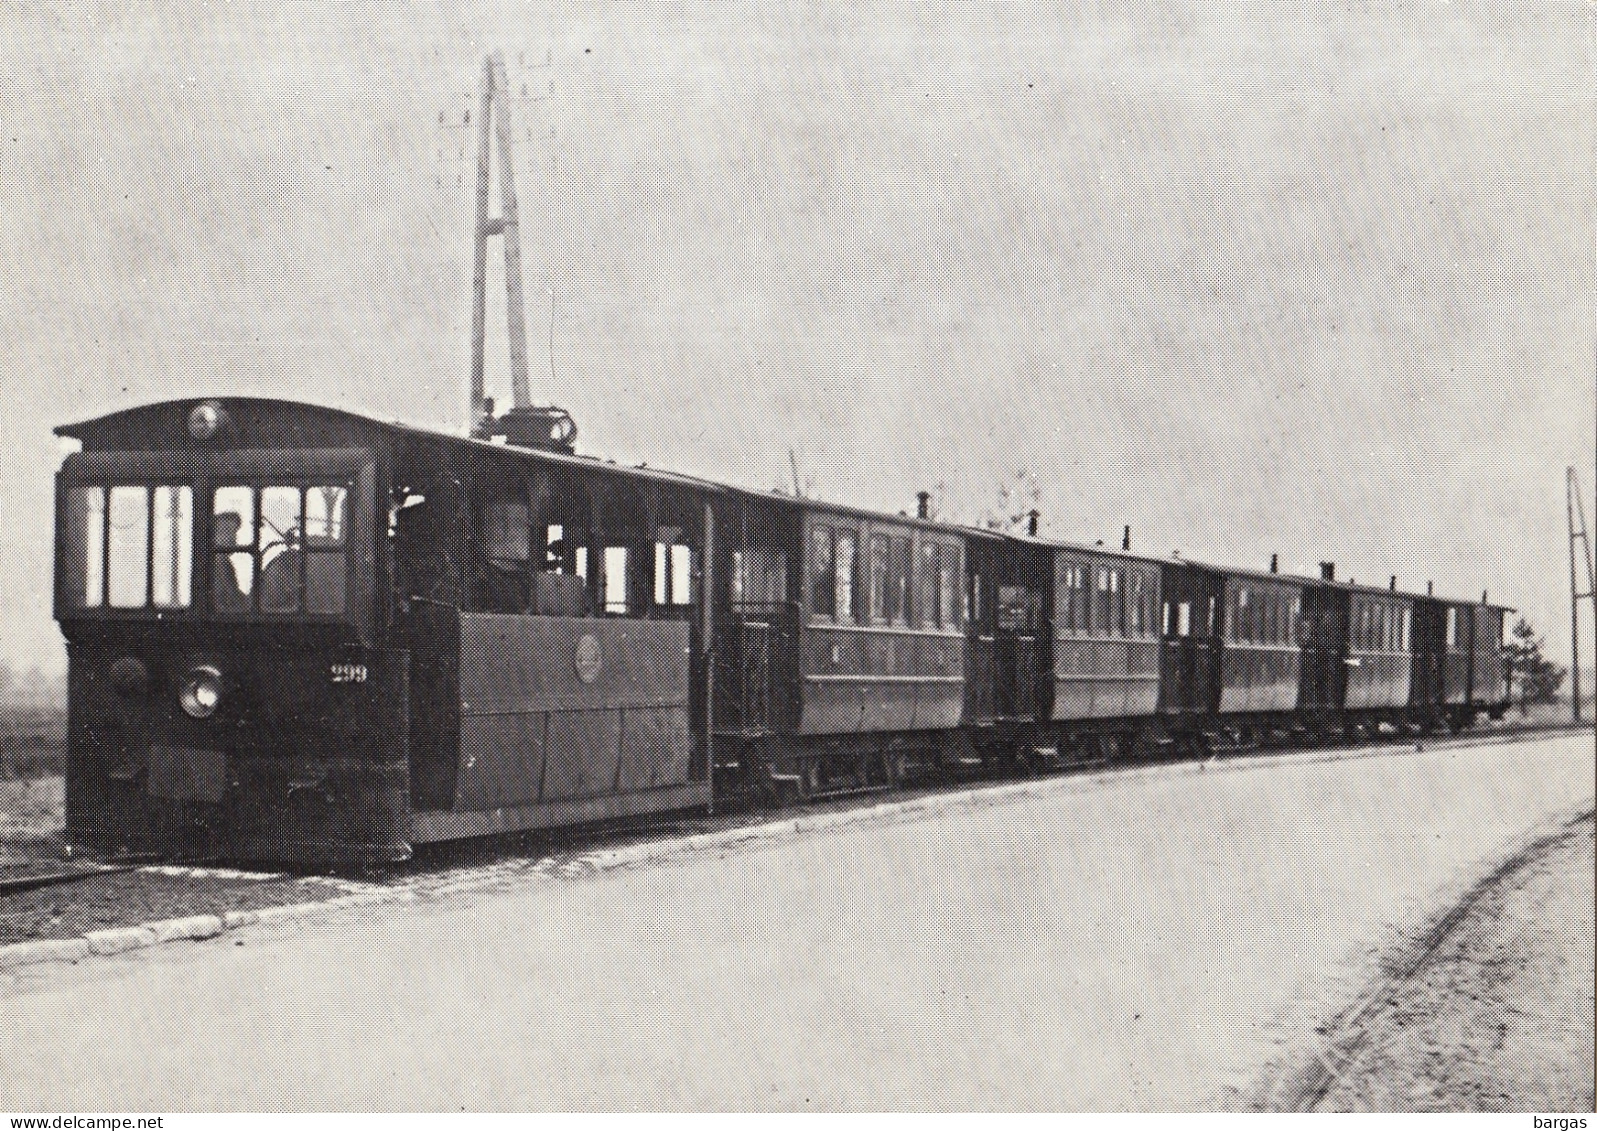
(202, 692)
(206, 420)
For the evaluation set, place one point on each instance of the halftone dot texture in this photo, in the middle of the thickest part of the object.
(1302, 278)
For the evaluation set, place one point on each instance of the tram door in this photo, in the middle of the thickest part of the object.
(1324, 636)
(1192, 628)
(1428, 644)
(1015, 650)
(1006, 661)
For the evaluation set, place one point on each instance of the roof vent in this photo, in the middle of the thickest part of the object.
(1328, 571)
(924, 509)
(1275, 563)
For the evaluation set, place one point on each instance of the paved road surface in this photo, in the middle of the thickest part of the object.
(1118, 948)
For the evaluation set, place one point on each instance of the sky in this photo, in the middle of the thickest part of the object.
(1304, 278)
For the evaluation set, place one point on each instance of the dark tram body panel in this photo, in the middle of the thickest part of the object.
(1261, 664)
(881, 643)
(1459, 624)
(758, 617)
(1380, 640)
(1488, 669)
(1323, 636)
(986, 557)
(1105, 635)
(1426, 690)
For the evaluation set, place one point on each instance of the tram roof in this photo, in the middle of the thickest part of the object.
(157, 417)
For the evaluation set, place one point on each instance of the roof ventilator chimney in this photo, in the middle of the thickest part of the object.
(924, 510)
(1328, 571)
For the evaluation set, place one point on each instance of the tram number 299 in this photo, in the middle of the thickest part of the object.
(348, 673)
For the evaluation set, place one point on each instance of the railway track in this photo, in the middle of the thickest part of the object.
(740, 811)
(47, 902)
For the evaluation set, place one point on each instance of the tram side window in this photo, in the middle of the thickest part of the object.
(823, 573)
(926, 586)
(759, 576)
(673, 570)
(877, 568)
(505, 539)
(1065, 611)
(948, 586)
(617, 580)
(847, 590)
(1137, 609)
(898, 571)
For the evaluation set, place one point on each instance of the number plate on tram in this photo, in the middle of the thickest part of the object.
(348, 673)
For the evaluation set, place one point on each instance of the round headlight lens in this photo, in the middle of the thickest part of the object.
(202, 692)
(205, 420)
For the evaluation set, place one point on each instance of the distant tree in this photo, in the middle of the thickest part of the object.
(1537, 677)
(1016, 499)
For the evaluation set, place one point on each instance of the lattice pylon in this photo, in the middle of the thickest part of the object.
(493, 123)
(1577, 534)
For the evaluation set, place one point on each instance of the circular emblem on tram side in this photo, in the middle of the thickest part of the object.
(589, 659)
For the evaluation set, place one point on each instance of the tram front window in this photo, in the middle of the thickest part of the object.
(130, 546)
(277, 549)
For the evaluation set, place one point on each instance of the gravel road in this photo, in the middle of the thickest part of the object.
(1090, 947)
(1496, 1014)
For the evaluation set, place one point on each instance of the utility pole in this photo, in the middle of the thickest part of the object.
(495, 111)
(1577, 533)
(525, 424)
